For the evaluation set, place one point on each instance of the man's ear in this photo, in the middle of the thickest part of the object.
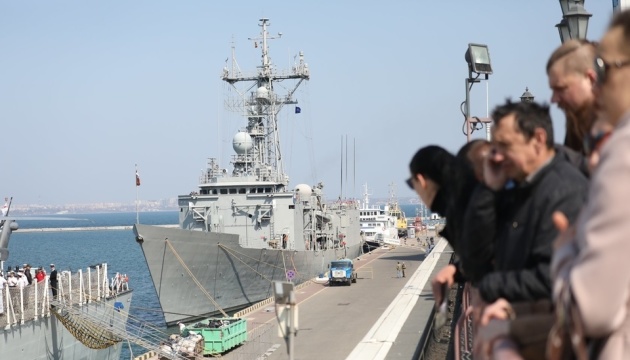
(421, 180)
(592, 76)
(540, 136)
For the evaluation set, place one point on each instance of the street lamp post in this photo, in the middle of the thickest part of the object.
(527, 97)
(574, 23)
(478, 58)
(563, 30)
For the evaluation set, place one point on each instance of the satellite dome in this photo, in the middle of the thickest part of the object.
(242, 143)
(262, 93)
(303, 190)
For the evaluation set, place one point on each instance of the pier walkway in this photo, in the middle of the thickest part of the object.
(378, 317)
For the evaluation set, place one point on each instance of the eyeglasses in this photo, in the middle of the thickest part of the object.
(594, 142)
(410, 183)
(602, 68)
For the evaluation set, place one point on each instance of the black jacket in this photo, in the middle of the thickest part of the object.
(525, 231)
(478, 237)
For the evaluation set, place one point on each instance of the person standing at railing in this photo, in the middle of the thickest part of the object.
(22, 281)
(53, 281)
(12, 279)
(40, 275)
(28, 274)
(590, 259)
(3, 284)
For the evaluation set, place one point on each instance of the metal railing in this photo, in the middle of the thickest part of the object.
(22, 304)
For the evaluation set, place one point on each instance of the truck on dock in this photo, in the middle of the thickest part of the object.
(343, 271)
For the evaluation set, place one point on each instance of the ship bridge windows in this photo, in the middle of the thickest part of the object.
(214, 191)
(232, 191)
(223, 191)
(242, 191)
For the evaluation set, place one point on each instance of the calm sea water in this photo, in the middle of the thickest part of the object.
(73, 250)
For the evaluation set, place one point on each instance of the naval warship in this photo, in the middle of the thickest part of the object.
(246, 227)
(77, 324)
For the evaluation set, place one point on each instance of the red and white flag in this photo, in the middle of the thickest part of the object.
(137, 179)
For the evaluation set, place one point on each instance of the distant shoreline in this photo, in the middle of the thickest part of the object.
(59, 213)
(88, 228)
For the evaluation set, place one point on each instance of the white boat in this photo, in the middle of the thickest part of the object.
(378, 226)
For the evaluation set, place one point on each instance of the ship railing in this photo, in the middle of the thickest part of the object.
(21, 305)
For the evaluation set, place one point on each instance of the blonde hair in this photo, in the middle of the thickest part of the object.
(579, 56)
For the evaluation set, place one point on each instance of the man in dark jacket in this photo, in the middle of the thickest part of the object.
(530, 181)
(53, 281)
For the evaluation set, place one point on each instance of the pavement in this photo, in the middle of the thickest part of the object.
(378, 317)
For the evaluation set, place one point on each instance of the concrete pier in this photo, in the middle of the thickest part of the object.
(378, 317)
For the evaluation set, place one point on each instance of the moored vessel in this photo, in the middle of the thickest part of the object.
(378, 226)
(34, 326)
(246, 227)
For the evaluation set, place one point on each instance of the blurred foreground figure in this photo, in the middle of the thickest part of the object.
(590, 263)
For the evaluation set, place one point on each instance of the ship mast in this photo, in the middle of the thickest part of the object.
(261, 105)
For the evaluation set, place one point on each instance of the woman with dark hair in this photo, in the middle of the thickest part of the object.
(430, 167)
(446, 184)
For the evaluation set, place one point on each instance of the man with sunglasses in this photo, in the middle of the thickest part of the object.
(571, 79)
(590, 260)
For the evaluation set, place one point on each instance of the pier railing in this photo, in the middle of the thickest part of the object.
(31, 302)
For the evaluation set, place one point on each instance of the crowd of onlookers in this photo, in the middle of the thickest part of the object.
(540, 230)
(22, 278)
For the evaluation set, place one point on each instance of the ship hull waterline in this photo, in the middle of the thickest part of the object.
(233, 276)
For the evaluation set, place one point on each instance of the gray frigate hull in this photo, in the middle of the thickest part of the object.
(232, 275)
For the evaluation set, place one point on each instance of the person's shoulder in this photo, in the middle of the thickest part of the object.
(573, 158)
(564, 171)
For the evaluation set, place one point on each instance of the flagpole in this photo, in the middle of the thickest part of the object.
(137, 215)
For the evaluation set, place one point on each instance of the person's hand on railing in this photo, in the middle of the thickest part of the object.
(486, 337)
(443, 280)
(493, 329)
(500, 309)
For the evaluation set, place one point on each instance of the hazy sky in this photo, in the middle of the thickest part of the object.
(89, 89)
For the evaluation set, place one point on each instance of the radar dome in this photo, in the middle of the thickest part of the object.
(242, 143)
(303, 190)
(262, 93)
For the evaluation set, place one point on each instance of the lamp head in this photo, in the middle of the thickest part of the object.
(478, 59)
